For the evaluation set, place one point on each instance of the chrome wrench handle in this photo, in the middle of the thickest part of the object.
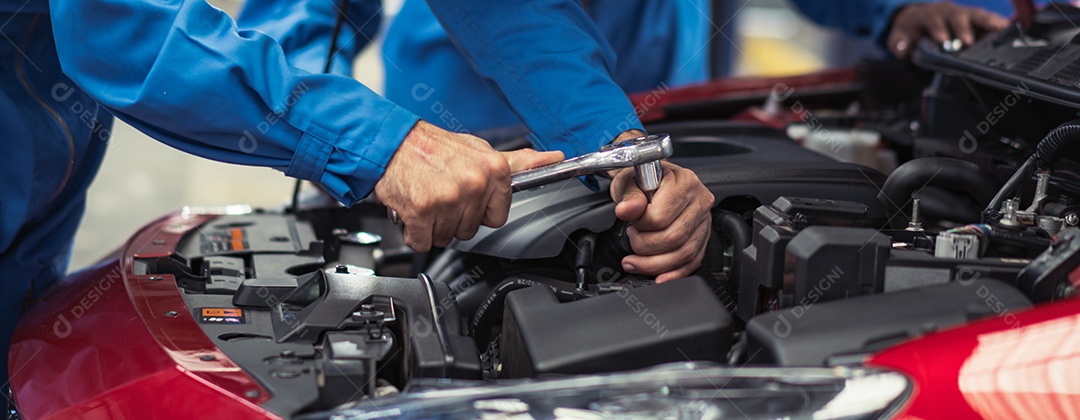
(644, 153)
(633, 152)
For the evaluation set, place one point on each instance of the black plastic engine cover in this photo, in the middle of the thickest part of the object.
(629, 329)
(812, 333)
(748, 163)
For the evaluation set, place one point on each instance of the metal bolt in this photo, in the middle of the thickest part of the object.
(1008, 217)
(1072, 219)
(171, 314)
(155, 278)
(252, 393)
(914, 223)
(207, 358)
(342, 268)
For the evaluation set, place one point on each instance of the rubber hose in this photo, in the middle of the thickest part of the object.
(937, 172)
(1053, 146)
(492, 308)
(730, 223)
(1049, 150)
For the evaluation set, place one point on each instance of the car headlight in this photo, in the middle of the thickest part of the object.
(683, 390)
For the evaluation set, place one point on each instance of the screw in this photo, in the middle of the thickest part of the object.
(207, 358)
(171, 314)
(252, 393)
(914, 223)
(1072, 219)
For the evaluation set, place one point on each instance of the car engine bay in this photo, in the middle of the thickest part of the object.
(855, 209)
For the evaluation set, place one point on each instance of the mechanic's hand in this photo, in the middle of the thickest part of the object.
(941, 22)
(668, 235)
(444, 185)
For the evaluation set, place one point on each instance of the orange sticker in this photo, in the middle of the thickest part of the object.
(237, 236)
(222, 312)
(220, 316)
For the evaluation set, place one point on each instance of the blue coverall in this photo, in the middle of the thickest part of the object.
(659, 44)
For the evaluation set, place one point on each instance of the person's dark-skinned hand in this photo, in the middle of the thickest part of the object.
(669, 235)
(444, 185)
(940, 22)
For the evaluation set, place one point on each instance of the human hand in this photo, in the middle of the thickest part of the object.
(444, 185)
(668, 235)
(941, 22)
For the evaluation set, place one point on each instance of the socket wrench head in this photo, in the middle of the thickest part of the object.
(649, 176)
(648, 171)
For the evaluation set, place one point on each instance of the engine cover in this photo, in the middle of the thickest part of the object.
(743, 165)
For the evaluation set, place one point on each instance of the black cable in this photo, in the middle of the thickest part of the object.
(741, 236)
(339, 21)
(1049, 150)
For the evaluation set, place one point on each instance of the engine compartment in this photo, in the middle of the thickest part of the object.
(854, 211)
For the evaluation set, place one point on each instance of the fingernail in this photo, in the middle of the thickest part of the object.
(628, 267)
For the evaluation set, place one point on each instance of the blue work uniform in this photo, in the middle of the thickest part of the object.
(182, 72)
(658, 44)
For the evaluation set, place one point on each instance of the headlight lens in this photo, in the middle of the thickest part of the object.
(676, 391)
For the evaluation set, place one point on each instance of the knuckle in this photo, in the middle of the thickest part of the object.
(474, 185)
(707, 198)
(669, 236)
(424, 207)
(495, 164)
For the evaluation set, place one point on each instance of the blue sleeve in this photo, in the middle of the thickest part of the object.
(181, 72)
(549, 62)
(303, 28)
(858, 18)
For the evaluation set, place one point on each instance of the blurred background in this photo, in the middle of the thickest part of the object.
(142, 179)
